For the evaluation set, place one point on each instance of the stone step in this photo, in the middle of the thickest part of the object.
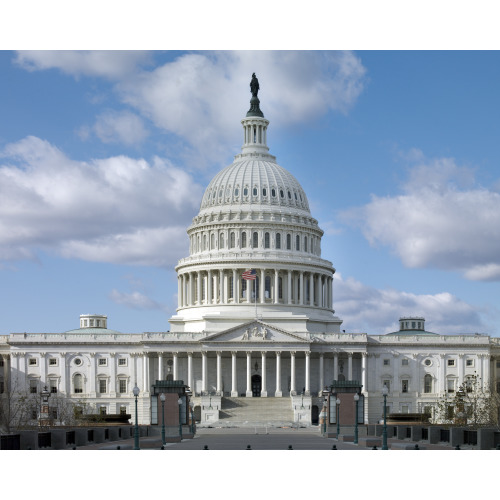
(244, 411)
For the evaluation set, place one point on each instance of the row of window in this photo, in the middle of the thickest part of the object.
(450, 384)
(78, 385)
(281, 242)
(77, 361)
(274, 192)
(428, 362)
(84, 323)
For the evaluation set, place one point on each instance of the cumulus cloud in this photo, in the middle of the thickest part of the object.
(134, 300)
(109, 64)
(367, 309)
(116, 209)
(123, 127)
(442, 219)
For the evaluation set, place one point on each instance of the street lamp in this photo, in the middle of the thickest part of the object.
(135, 390)
(385, 391)
(338, 416)
(324, 413)
(162, 399)
(356, 399)
(179, 402)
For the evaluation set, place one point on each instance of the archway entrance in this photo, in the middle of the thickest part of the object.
(256, 386)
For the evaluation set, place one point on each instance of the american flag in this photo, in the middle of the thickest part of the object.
(251, 274)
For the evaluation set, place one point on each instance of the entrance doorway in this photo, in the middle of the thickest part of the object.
(315, 415)
(256, 386)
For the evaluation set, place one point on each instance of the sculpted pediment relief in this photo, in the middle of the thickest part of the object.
(254, 332)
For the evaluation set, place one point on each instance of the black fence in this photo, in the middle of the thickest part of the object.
(44, 440)
(470, 437)
(10, 442)
(444, 435)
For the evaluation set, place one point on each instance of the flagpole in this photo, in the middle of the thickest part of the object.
(255, 294)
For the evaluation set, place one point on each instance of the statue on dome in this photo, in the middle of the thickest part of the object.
(254, 85)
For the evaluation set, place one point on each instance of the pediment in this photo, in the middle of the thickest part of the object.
(255, 331)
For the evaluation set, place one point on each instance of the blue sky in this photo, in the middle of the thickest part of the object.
(104, 157)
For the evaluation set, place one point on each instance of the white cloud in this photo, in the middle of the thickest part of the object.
(367, 309)
(117, 209)
(134, 300)
(124, 127)
(442, 220)
(99, 63)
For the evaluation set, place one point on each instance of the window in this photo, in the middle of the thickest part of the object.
(34, 415)
(288, 241)
(53, 413)
(469, 384)
(236, 192)
(278, 240)
(245, 191)
(451, 362)
(450, 412)
(33, 386)
(52, 361)
(78, 361)
(427, 410)
(273, 193)
(243, 240)
(53, 386)
(264, 192)
(427, 362)
(98, 322)
(255, 191)
(122, 361)
(91, 322)
(103, 362)
(102, 386)
(428, 383)
(451, 385)
(232, 240)
(387, 362)
(267, 242)
(255, 241)
(404, 386)
(404, 362)
(78, 384)
(102, 410)
(282, 193)
(387, 383)
(123, 386)
(297, 243)
(123, 410)
(498, 364)
(221, 241)
(32, 362)
(404, 408)
(305, 243)
(469, 362)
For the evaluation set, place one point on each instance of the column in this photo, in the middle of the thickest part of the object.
(219, 373)
(263, 392)
(289, 287)
(461, 369)
(134, 370)
(198, 290)
(92, 376)
(276, 287)
(321, 374)
(236, 287)
(221, 287)
(278, 393)
(209, 287)
(480, 374)
(190, 372)
(63, 370)
(145, 378)
(335, 366)
(442, 376)
(176, 371)
(249, 379)
(262, 286)
(179, 291)
(292, 369)
(349, 366)
(301, 288)
(364, 355)
(216, 286)
(307, 377)
(204, 371)
(395, 362)
(160, 366)
(234, 381)
(184, 291)
(43, 368)
(311, 289)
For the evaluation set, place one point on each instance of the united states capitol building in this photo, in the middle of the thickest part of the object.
(269, 344)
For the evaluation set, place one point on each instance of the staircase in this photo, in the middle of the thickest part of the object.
(250, 412)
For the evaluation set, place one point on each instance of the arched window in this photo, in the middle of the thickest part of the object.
(288, 241)
(221, 240)
(267, 240)
(232, 240)
(428, 384)
(212, 241)
(255, 242)
(280, 288)
(78, 383)
(243, 240)
(278, 240)
(305, 243)
(297, 243)
(268, 287)
(255, 191)
(204, 242)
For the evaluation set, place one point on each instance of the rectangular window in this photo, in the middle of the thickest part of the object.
(52, 361)
(404, 362)
(33, 386)
(102, 410)
(451, 385)
(53, 386)
(450, 412)
(123, 410)
(387, 383)
(53, 413)
(404, 386)
(91, 322)
(103, 362)
(387, 362)
(123, 386)
(102, 386)
(32, 362)
(122, 361)
(404, 409)
(469, 362)
(451, 362)
(427, 410)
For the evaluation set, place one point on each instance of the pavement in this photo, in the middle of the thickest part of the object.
(257, 439)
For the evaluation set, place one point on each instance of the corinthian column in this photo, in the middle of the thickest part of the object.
(249, 379)
(263, 392)
(278, 393)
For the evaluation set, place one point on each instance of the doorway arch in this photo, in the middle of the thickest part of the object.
(256, 386)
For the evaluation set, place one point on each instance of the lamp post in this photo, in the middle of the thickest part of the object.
(179, 402)
(338, 416)
(135, 390)
(44, 410)
(324, 412)
(385, 391)
(162, 399)
(356, 399)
